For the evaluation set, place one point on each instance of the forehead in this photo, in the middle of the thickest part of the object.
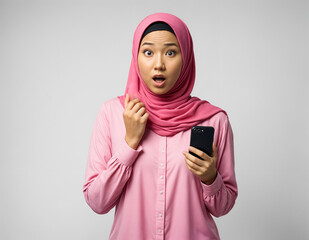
(161, 36)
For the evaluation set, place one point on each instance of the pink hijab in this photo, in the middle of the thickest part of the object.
(175, 110)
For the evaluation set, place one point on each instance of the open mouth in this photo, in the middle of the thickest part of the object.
(159, 80)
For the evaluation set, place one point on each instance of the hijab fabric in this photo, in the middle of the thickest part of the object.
(176, 110)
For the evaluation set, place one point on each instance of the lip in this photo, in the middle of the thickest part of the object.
(159, 84)
(158, 75)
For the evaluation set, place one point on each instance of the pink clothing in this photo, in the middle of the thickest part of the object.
(155, 194)
(175, 110)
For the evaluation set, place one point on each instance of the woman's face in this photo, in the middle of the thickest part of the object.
(160, 61)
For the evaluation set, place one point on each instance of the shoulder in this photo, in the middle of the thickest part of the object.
(111, 104)
(110, 109)
(221, 117)
(220, 121)
(215, 114)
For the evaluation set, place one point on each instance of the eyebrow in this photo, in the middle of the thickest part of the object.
(166, 44)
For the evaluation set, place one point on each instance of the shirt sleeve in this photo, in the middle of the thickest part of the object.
(106, 174)
(220, 196)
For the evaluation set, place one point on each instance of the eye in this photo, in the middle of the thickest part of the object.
(170, 53)
(147, 53)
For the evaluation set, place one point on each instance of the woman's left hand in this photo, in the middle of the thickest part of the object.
(205, 169)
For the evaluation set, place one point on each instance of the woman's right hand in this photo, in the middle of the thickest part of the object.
(135, 118)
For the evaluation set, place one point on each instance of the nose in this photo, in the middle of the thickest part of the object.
(159, 63)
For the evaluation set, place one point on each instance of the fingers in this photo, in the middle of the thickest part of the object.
(126, 101)
(138, 106)
(204, 169)
(193, 163)
(135, 108)
(131, 104)
(201, 154)
(141, 111)
(145, 117)
(193, 159)
(192, 166)
(198, 152)
(214, 151)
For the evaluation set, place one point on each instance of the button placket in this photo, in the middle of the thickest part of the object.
(160, 203)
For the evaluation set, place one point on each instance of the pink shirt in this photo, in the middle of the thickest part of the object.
(155, 194)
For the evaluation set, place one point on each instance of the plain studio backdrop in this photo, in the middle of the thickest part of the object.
(60, 60)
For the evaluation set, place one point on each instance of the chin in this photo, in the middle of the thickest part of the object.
(159, 91)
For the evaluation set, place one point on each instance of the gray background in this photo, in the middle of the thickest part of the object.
(60, 60)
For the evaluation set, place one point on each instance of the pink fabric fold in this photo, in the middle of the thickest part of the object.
(176, 110)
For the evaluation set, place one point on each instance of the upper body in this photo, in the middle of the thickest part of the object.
(138, 157)
(154, 192)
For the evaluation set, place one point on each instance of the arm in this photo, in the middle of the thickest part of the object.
(106, 175)
(220, 196)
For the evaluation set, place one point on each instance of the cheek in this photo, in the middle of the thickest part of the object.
(143, 66)
(177, 69)
(144, 71)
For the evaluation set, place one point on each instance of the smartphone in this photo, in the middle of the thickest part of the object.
(202, 139)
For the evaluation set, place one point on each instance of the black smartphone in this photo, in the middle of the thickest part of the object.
(202, 138)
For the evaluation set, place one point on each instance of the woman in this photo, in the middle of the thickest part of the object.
(138, 157)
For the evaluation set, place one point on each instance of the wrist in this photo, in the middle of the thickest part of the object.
(133, 143)
(210, 180)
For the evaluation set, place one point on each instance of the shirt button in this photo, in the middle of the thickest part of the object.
(162, 164)
(161, 192)
(163, 150)
(161, 176)
(160, 215)
(159, 231)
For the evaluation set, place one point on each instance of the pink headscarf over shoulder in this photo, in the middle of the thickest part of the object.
(175, 110)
